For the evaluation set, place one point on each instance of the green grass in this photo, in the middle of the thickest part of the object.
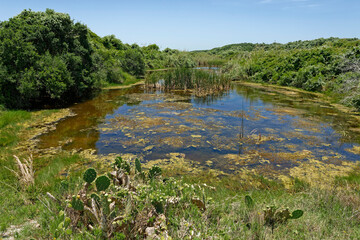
(13, 117)
(9, 126)
(48, 177)
(11, 123)
(326, 213)
(353, 178)
(19, 204)
(127, 80)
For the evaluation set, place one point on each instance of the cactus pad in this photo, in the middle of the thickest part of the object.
(89, 175)
(296, 214)
(159, 206)
(102, 183)
(95, 197)
(77, 204)
(137, 165)
(122, 164)
(154, 172)
(249, 201)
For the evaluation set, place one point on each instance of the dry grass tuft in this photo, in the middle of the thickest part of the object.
(25, 174)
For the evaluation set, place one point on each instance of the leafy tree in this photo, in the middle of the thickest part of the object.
(46, 58)
(112, 41)
(133, 62)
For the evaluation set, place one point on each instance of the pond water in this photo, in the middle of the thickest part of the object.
(243, 128)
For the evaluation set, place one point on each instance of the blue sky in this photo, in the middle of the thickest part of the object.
(204, 24)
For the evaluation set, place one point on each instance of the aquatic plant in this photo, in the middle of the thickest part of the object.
(200, 81)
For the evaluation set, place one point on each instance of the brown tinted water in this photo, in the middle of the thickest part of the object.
(244, 128)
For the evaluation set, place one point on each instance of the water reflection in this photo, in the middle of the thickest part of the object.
(242, 127)
(81, 130)
(210, 99)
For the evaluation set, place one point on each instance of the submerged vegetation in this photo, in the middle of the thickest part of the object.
(202, 82)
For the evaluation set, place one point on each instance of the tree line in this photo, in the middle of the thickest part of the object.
(330, 66)
(47, 59)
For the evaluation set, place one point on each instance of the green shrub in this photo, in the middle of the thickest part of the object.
(45, 58)
(133, 62)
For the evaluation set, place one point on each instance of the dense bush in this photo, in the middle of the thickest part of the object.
(47, 59)
(133, 62)
(44, 58)
(168, 58)
(323, 65)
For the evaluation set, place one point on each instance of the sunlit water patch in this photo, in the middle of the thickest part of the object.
(244, 128)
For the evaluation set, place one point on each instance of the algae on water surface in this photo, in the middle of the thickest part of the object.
(278, 135)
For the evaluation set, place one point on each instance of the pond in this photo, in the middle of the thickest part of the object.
(245, 129)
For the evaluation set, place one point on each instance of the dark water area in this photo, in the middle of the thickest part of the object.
(242, 127)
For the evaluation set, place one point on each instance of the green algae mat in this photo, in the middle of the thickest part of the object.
(252, 129)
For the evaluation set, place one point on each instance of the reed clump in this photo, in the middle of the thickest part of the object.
(201, 82)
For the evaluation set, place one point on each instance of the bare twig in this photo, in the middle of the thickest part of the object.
(53, 198)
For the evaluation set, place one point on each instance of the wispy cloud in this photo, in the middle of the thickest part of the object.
(288, 4)
(227, 2)
(313, 5)
(299, 0)
(266, 1)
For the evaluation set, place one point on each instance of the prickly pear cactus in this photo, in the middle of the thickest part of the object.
(89, 175)
(137, 165)
(122, 164)
(155, 171)
(159, 206)
(249, 201)
(102, 183)
(95, 197)
(77, 204)
(282, 216)
(296, 214)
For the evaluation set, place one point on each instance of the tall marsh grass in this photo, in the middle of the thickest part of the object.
(202, 82)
